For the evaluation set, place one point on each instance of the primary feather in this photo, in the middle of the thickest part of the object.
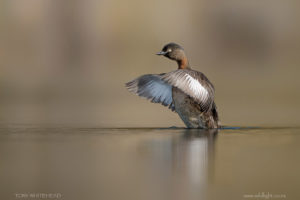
(152, 87)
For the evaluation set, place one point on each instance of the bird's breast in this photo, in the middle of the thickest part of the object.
(187, 109)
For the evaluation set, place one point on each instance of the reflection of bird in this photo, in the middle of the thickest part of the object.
(186, 91)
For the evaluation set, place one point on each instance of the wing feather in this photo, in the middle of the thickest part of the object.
(193, 83)
(152, 87)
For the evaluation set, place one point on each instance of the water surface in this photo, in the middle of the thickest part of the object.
(149, 163)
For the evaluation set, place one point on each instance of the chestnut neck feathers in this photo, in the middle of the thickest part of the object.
(183, 63)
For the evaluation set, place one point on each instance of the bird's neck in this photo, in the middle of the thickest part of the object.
(183, 63)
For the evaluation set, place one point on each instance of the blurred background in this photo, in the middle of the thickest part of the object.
(66, 62)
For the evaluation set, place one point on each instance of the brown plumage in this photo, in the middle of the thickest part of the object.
(185, 91)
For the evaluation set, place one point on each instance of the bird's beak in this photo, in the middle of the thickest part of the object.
(161, 53)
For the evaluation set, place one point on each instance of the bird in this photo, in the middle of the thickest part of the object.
(185, 91)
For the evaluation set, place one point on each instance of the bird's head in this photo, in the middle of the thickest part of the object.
(175, 52)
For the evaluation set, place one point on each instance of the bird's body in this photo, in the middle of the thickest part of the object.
(185, 91)
(190, 112)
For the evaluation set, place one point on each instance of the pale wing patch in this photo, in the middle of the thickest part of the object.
(160, 91)
(152, 87)
(198, 90)
(193, 83)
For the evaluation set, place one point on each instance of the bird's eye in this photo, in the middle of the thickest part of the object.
(169, 50)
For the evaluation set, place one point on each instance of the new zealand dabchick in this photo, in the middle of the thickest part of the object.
(185, 91)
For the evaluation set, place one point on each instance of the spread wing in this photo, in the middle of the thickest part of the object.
(193, 83)
(152, 87)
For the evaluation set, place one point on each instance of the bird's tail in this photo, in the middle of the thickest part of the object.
(215, 113)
